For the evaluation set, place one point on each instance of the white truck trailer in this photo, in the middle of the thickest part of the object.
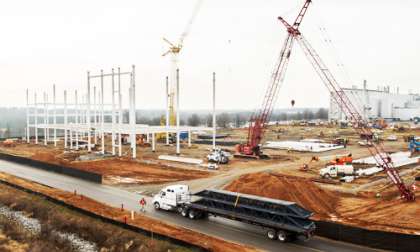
(282, 220)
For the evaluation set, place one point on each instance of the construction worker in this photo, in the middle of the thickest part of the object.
(142, 205)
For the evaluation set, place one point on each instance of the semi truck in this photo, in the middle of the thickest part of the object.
(282, 220)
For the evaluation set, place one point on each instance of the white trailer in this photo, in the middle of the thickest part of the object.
(283, 220)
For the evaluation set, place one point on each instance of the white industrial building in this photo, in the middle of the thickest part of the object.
(378, 103)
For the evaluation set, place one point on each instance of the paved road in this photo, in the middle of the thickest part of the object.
(227, 229)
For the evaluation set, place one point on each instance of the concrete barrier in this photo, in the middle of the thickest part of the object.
(73, 172)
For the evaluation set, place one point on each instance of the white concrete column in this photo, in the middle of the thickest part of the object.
(27, 117)
(120, 114)
(76, 132)
(88, 121)
(153, 142)
(102, 114)
(189, 138)
(65, 120)
(36, 119)
(177, 114)
(214, 110)
(45, 119)
(133, 113)
(71, 136)
(113, 112)
(55, 116)
(167, 110)
(95, 116)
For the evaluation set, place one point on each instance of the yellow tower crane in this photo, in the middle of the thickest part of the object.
(174, 50)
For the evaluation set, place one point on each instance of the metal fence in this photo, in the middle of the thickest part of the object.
(370, 238)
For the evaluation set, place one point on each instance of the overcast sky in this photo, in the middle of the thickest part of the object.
(49, 41)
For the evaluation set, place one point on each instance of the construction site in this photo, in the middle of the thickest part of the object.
(353, 170)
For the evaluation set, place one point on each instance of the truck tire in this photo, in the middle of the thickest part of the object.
(271, 234)
(282, 236)
(184, 212)
(156, 205)
(192, 214)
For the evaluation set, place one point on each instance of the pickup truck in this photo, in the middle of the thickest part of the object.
(333, 171)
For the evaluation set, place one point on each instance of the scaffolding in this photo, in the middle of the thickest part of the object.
(86, 124)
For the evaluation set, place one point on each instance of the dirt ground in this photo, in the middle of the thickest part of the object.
(208, 242)
(114, 170)
(302, 191)
(373, 213)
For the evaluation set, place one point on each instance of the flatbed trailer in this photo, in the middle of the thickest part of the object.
(282, 220)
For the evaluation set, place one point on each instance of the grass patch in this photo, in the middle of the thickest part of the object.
(53, 217)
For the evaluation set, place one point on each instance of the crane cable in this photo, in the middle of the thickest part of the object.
(330, 46)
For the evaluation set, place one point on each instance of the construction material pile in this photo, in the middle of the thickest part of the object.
(302, 191)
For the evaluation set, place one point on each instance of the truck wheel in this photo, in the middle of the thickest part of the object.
(192, 214)
(271, 234)
(282, 236)
(156, 205)
(184, 212)
(327, 176)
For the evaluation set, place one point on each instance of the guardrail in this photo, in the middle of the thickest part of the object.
(73, 172)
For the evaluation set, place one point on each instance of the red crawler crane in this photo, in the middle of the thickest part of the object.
(259, 119)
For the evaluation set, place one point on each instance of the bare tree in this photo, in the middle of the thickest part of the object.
(223, 120)
(194, 120)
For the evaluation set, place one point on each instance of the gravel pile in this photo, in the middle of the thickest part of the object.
(31, 225)
(77, 242)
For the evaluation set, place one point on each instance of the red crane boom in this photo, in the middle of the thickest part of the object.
(259, 120)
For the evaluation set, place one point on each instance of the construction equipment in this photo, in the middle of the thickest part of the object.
(259, 120)
(342, 160)
(9, 143)
(305, 166)
(333, 171)
(218, 156)
(414, 145)
(174, 50)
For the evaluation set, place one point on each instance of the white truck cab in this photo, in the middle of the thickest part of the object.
(171, 197)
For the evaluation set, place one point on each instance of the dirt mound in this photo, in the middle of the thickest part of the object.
(300, 190)
(394, 215)
(116, 169)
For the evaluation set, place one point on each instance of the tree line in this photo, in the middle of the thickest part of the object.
(13, 120)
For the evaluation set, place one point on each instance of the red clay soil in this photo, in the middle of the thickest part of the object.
(140, 173)
(392, 215)
(302, 191)
(209, 242)
(114, 170)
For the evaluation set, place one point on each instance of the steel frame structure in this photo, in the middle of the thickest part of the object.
(82, 119)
